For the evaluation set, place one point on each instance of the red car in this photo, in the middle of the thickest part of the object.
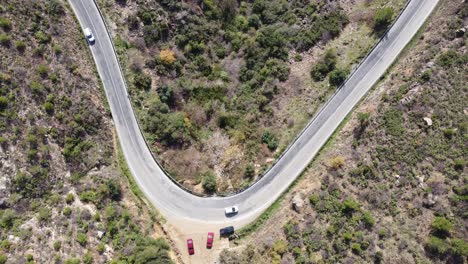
(191, 251)
(209, 241)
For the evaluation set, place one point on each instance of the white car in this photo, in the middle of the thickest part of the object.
(231, 210)
(89, 35)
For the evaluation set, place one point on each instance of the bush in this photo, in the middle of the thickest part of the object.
(67, 211)
(350, 206)
(20, 46)
(337, 162)
(57, 245)
(270, 139)
(367, 219)
(3, 103)
(49, 108)
(81, 239)
(383, 18)
(42, 70)
(167, 56)
(337, 77)
(7, 218)
(42, 37)
(209, 182)
(44, 215)
(327, 64)
(460, 247)
(4, 40)
(280, 247)
(36, 88)
(70, 198)
(5, 23)
(142, 81)
(437, 245)
(356, 248)
(249, 171)
(441, 226)
(3, 259)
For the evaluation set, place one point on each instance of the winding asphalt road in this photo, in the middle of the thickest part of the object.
(177, 204)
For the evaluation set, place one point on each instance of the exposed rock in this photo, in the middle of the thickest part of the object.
(460, 32)
(430, 64)
(431, 200)
(297, 203)
(100, 234)
(428, 121)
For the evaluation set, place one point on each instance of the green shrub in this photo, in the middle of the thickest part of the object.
(49, 108)
(5, 23)
(42, 37)
(209, 182)
(88, 196)
(70, 198)
(450, 58)
(81, 238)
(441, 226)
(142, 81)
(314, 199)
(337, 77)
(36, 87)
(460, 247)
(72, 261)
(4, 40)
(67, 211)
(3, 259)
(42, 70)
(87, 258)
(44, 214)
(7, 218)
(367, 219)
(3, 103)
(327, 64)
(350, 206)
(393, 120)
(437, 245)
(356, 248)
(57, 245)
(383, 18)
(20, 45)
(280, 247)
(270, 139)
(249, 171)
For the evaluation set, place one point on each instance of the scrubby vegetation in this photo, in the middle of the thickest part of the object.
(393, 187)
(61, 196)
(210, 80)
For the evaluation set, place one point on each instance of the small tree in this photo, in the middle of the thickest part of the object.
(249, 171)
(142, 81)
(337, 77)
(209, 182)
(441, 226)
(337, 162)
(383, 18)
(167, 56)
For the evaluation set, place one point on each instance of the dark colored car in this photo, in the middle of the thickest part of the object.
(191, 251)
(209, 240)
(226, 231)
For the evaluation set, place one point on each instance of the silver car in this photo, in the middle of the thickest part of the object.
(89, 35)
(231, 210)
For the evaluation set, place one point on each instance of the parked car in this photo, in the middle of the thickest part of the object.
(209, 240)
(226, 231)
(89, 35)
(231, 210)
(191, 250)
